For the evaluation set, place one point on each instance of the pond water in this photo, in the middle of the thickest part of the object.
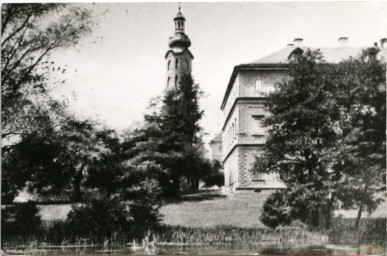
(224, 248)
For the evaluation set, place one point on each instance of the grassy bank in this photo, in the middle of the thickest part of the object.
(55, 237)
(371, 231)
(210, 209)
(203, 218)
(227, 234)
(370, 237)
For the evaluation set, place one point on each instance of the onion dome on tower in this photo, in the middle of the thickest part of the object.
(178, 57)
(179, 39)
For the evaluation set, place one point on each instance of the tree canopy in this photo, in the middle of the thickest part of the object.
(29, 33)
(30, 116)
(327, 134)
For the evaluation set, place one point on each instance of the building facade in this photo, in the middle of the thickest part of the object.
(178, 57)
(244, 106)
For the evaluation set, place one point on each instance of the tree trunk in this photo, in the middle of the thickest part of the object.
(359, 215)
(194, 185)
(361, 207)
(315, 218)
(176, 185)
(329, 212)
(194, 182)
(77, 192)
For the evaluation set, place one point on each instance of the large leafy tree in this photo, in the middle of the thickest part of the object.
(300, 133)
(358, 157)
(181, 112)
(51, 153)
(170, 139)
(180, 116)
(29, 33)
(327, 136)
(53, 166)
(120, 195)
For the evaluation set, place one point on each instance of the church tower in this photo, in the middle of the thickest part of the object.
(178, 57)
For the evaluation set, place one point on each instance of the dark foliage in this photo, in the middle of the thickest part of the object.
(170, 142)
(20, 221)
(29, 33)
(275, 210)
(98, 219)
(53, 165)
(213, 176)
(327, 136)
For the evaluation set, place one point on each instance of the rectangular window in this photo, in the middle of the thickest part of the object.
(258, 85)
(257, 129)
(236, 127)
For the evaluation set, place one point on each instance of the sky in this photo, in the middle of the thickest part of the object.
(120, 66)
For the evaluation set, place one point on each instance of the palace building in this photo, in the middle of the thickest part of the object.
(244, 106)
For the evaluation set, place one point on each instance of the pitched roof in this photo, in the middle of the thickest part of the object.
(331, 55)
(281, 58)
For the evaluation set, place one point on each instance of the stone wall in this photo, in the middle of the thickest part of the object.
(247, 156)
(230, 166)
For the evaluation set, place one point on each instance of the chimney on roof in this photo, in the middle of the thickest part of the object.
(290, 45)
(343, 40)
(298, 41)
(383, 43)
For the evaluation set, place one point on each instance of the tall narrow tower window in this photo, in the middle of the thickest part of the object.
(186, 62)
(176, 81)
(177, 62)
(169, 80)
(169, 64)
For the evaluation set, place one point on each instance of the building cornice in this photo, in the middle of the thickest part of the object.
(241, 145)
(251, 67)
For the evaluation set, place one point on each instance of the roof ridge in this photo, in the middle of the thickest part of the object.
(331, 54)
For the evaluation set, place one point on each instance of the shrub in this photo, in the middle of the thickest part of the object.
(97, 219)
(275, 212)
(20, 220)
(57, 232)
(213, 176)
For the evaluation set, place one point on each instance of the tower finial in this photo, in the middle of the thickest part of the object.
(179, 6)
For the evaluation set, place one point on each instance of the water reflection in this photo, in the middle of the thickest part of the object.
(221, 248)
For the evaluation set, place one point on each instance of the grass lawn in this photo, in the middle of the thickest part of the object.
(208, 209)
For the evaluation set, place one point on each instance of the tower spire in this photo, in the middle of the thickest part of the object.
(178, 57)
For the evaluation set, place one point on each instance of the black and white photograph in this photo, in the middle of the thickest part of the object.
(194, 128)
